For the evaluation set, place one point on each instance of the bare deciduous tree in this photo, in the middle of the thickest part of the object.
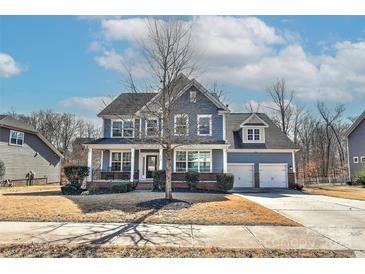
(168, 53)
(282, 98)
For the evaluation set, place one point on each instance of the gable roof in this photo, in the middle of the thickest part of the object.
(127, 104)
(254, 120)
(274, 138)
(355, 124)
(10, 122)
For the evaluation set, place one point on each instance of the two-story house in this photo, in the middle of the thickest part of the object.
(214, 140)
(356, 145)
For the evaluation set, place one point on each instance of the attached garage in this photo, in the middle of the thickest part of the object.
(273, 175)
(243, 174)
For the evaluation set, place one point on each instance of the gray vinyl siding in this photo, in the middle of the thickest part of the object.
(356, 142)
(34, 155)
(203, 105)
(260, 158)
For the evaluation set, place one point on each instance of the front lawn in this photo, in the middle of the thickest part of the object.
(103, 251)
(45, 203)
(347, 192)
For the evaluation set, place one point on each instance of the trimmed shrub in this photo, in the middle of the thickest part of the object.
(71, 189)
(159, 180)
(2, 169)
(298, 187)
(122, 187)
(359, 177)
(225, 181)
(76, 174)
(192, 179)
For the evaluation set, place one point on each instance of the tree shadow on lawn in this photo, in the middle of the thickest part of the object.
(137, 203)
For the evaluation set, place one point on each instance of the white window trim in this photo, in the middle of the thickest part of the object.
(121, 159)
(356, 160)
(120, 120)
(186, 160)
(245, 135)
(145, 127)
(210, 124)
(362, 159)
(187, 123)
(11, 132)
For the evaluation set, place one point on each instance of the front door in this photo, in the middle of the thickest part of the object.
(151, 166)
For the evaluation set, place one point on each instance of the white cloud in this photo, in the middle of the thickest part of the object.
(248, 53)
(87, 103)
(8, 66)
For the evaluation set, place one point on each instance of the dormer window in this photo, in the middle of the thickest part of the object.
(253, 129)
(253, 134)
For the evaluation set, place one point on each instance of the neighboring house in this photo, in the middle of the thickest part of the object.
(356, 145)
(24, 149)
(248, 145)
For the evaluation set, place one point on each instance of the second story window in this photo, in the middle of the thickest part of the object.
(181, 124)
(204, 125)
(123, 129)
(151, 127)
(253, 134)
(16, 138)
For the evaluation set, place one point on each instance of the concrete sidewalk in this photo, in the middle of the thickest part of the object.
(237, 236)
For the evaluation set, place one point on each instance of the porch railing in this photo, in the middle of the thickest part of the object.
(113, 175)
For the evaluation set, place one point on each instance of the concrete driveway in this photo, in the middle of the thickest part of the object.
(341, 220)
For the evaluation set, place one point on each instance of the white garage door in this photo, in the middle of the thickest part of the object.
(243, 174)
(273, 175)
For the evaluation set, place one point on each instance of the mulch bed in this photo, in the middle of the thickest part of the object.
(102, 251)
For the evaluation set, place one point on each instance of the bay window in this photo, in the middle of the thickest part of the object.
(123, 128)
(199, 161)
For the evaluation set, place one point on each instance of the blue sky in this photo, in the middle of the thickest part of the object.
(68, 63)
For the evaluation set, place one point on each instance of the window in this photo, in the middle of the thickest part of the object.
(362, 159)
(253, 134)
(181, 122)
(199, 161)
(123, 128)
(121, 161)
(151, 127)
(204, 125)
(356, 160)
(16, 138)
(192, 96)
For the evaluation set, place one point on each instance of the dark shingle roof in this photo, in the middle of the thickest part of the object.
(8, 121)
(274, 138)
(127, 104)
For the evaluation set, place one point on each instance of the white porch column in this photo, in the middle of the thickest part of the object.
(160, 159)
(224, 160)
(89, 164)
(132, 164)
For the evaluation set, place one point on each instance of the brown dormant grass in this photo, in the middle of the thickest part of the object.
(47, 204)
(347, 192)
(103, 251)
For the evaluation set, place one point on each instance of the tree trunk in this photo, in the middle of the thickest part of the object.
(168, 186)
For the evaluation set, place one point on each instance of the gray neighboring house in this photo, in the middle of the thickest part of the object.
(248, 145)
(22, 149)
(356, 145)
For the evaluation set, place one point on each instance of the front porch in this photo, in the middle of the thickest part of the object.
(139, 164)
